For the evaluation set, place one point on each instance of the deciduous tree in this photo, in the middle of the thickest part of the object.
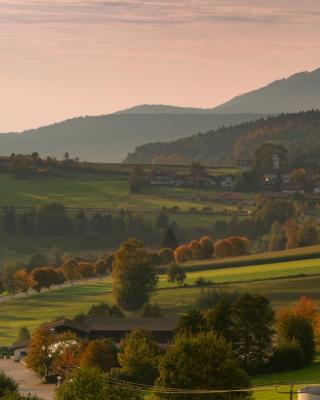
(201, 362)
(134, 278)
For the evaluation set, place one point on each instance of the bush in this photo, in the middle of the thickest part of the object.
(166, 255)
(287, 356)
(7, 385)
(200, 281)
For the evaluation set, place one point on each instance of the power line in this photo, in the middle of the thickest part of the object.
(168, 390)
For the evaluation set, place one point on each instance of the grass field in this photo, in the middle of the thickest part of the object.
(301, 253)
(38, 308)
(109, 191)
(83, 190)
(263, 271)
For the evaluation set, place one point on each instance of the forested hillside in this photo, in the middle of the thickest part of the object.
(109, 138)
(299, 133)
(299, 92)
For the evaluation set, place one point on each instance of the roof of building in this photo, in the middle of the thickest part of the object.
(87, 324)
(130, 324)
(20, 344)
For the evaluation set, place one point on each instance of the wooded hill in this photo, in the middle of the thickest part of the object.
(299, 92)
(299, 133)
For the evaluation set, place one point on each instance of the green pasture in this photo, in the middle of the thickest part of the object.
(84, 190)
(264, 271)
(301, 253)
(69, 301)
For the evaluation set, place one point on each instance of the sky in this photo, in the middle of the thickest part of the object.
(65, 58)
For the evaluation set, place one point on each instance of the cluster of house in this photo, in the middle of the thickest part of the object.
(159, 177)
(283, 183)
(115, 329)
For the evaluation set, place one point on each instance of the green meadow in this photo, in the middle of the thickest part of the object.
(282, 290)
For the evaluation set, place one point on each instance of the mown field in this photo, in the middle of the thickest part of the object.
(263, 271)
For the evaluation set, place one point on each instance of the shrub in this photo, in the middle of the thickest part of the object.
(200, 281)
(166, 255)
(7, 385)
(287, 356)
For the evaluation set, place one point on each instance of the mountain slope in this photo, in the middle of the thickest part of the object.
(109, 138)
(299, 132)
(299, 92)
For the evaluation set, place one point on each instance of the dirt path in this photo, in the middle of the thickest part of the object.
(27, 380)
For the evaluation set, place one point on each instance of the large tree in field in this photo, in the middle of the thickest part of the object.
(201, 362)
(134, 278)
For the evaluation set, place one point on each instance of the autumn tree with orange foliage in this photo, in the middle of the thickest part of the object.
(233, 246)
(301, 325)
(196, 250)
(207, 249)
(52, 353)
(290, 230)
(182, 253)
(23, 281)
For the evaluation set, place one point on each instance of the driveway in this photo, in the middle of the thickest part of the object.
(27, 380)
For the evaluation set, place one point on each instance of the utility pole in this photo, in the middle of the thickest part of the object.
(290, 393)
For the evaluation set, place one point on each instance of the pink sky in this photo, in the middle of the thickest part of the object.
(64, 58)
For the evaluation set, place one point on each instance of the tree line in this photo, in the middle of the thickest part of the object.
(215, 347)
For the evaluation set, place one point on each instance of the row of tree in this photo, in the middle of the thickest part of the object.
(16, 280)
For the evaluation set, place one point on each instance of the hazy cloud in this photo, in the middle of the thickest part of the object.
(156, 11)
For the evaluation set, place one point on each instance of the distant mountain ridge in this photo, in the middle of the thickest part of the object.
(164, 109)
(299, 92)
(109, 138)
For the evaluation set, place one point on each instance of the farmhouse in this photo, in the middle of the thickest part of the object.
(116, 328)
(19, 349)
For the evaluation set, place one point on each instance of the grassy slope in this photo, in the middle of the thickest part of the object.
(110, 190)
(255, 259)
(264, 271)
(37, 308)
(88, 190)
